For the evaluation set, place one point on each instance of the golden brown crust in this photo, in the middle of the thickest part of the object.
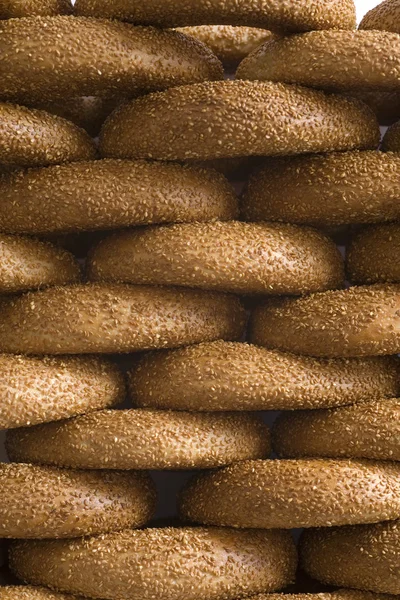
(365, 557)
(123, 57)
(372, 256)
(371, 60)
(142, 439)
(391, 139)
(385, 17)
(46, 502)
(27, 264)
(235, 119)
(385, 105)
(360, 321)
(116, 194)
(15, 9)
(247, 258)
(226, 376)
(29, 592)
(112, 318)
(38, 390)
(231, 44)
(337, 595)
(292, 494)
(30, 137)
(367, 430)
(270, 14)
(168, 564)
(332, 189)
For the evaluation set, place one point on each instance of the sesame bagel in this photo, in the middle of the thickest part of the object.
(189, 563)
(115, 318)
(231, 376)
(245, 118)
(385, 104)
(365, 557)
(290, 494)
(45, 502)
(372, 256)
(249, 258)
(304, 15)
(38, 390)
(359, 321)
(366, 430)
(391, 139)
(360, 60)
(30, 138)
(107, 194)
(26, 263)
(15, 9)
(324, 190)
(230, 44)
(123, 56)
(385, 17)
(142, 439)
(30, 592)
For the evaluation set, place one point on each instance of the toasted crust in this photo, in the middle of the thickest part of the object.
(291, 494)
(12, 9)
(38, 390)
(365, 557)
(332, 189)
(30, 137)
(26, 263)
(169, 564)
(276, 14)
(29, 592)
(367, 430)
(226, 376)
(360, 321)
(143, 439)
(246, 118)
(116, 194)
(385, 105)
(249, 258)
(372, 256)
(45, 502)
(385, 16)
(371, 60)
(123, 56)
(113, 318)
(391, 139)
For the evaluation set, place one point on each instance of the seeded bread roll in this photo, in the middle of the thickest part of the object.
(372, 256)
(226, 376)
(234, 119)
(385, 16)
(112, 318)
(45, 502)
(323, 190)
(30, 592)
(385, 105)
(169, 563)
(291, 494)
(365, 557)
(391, 139)
(367, 430)
(15, 9)
(86, 57)
(30, 138)
(108, 194)
(331, 60)
(360, 321)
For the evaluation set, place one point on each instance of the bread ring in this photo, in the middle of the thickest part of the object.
(291, 494)
(190, 563)
(302, 16)
(108, 194)
(142, 439)
(45, 502)
(29, 592)
(391, 139)
(230, 44)
(385, 105)
(38, 390)
(372, 256)
(366, 430)
(30, 137)
(385, 17)
(114, 318)
(229, 376)
(244, 118)
(365, 557)
(119, 59)
(360, 321)
(331, 60)
(15, 9)
(323, 190)
(249, 258)
(27, 263)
